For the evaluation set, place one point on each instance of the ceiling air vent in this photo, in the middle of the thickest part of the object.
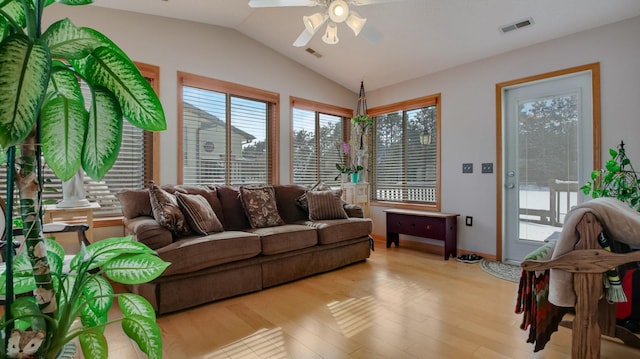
(516, 25)
(313, 52)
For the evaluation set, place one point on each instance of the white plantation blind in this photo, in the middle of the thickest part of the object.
(318, 131)
(132, 170)
(405, 153)
(225, 136)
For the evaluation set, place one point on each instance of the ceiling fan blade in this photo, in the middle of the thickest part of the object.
(370, 34)
(370, 2)
(303, 39)
(277, 3)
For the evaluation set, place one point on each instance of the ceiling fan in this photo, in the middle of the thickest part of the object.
(337, 11)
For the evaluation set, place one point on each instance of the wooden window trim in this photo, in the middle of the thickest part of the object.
(310, 105)
(407, 105)
(153, 72)
(273, 128)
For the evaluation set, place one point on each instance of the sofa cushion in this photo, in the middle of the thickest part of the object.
(210, 193)
(301, 201)
(193, 253)
(199, 214)
(286, 196)
(135, 203)
(260, 206)
(234, 217)
(325, 205)
(285, 238)
(147, 231)
(167, 212)
(338, 230)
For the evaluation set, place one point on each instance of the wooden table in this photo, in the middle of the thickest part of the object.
(82, 214)
(433, 225)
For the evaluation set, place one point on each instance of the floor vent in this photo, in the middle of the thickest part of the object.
(313, 52)
(516, 25)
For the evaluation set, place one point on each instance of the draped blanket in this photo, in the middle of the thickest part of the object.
(539, 315)
(619, 221)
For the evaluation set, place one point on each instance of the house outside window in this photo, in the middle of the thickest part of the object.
(136, 165)
(317, 133)
(227, 132)
(406, 153)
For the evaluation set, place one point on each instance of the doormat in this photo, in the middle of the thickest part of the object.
(501, 270)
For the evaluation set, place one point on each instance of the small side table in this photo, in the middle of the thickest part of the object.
(357, 193)
(52, 212)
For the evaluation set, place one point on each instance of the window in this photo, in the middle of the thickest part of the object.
(137, 163)
(227, 132)
(318, 131)
(406, 165)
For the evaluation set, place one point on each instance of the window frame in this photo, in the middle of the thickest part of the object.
(318, 108)
(402, 106)
(233, 89)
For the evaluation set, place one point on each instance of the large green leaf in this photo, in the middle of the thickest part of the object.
(133, 304)
(104, 135)
(145, 333)
(28, 308)
(15, 10)
(94, 345)
(23, 281)
(92, 318)
(24, 75)
(99, 294)
(134, 269)
(67, 41)
(107, 249)
(138, 101)
(64, 126)
(75, 2)
(63, 82)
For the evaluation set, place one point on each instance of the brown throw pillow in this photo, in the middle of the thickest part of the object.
(325, 205)
(166, 211)
(199, 213)
(260, 206)
(302, 200)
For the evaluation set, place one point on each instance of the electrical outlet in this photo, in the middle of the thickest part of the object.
(467, 168)
(468, 221)
(487, 168)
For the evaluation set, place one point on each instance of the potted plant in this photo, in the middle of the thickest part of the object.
(43, 112)
(618, 179)
(352, 168)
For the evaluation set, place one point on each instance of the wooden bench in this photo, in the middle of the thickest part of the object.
(433, 225)
(594, 315)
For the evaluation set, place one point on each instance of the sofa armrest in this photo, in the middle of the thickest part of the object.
(353, 210)
(148, 231)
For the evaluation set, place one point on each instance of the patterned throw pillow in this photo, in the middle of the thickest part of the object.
(302, 200)
(259, 203)
(199, 213)
(166, 211)
(325, 205)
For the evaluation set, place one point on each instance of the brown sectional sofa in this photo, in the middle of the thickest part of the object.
(241, 259)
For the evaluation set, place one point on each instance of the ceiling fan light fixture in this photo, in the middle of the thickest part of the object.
(313, 22)
(331, 35)
(338, 11)
(355, 22)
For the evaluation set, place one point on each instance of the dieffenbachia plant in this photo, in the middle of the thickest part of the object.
(44, 113)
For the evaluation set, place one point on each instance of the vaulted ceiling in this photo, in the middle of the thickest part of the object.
(418, 37)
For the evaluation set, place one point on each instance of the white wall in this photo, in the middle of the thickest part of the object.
(211, 51)
(469, 115)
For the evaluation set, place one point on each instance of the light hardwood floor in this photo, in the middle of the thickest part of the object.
(400, 303)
